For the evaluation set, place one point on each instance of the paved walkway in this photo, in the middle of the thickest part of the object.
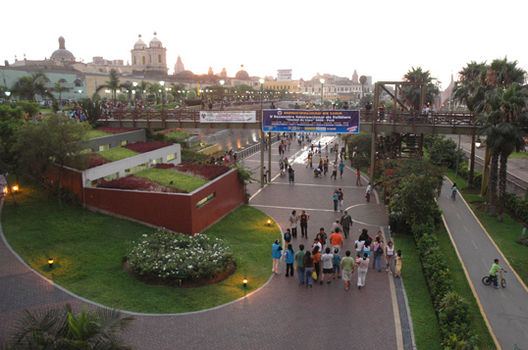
(281, 314)
(506, 309)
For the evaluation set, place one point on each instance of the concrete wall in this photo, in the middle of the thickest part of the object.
(174, 211)
(116, 140)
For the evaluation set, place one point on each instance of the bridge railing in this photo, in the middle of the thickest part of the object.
(246, 152)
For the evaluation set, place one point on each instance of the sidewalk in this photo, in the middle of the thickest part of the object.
(505, 309)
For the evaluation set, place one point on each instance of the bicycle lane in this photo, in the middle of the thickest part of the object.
(505, 310)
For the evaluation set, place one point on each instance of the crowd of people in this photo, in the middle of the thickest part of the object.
(326, 260)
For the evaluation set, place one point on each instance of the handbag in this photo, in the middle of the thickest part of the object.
(314, 276)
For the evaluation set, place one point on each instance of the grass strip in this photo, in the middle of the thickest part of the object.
(461, 285)
(88, 249)
(117, 153)
(504, 234)
(425, 324)
(93, 134)
(173, 179)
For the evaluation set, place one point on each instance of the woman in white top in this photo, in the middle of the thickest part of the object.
(328, 267)
(293, 223)
(362, 270)
(389, 254)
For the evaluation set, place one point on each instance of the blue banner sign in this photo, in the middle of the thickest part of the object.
(299, 120)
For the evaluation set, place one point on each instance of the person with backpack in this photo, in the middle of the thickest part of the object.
(378, 253)
(287, 236)
(308, 269)
(299, 263)
(346, 223)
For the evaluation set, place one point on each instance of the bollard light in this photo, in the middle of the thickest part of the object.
(245, 281)
(268, 222)
(50, 262)
(14, 188)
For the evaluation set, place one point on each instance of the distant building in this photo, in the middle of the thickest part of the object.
(179, 67)
(284, 74)
(336, 87)
(151, 59)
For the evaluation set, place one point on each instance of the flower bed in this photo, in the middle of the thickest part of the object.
(132, 182)
(142, 147)
(173, 257)
(114, 131)
(94, 160)
(206, 171)
(165, 166)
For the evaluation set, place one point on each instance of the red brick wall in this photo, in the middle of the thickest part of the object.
(174, 211)
(71, 180)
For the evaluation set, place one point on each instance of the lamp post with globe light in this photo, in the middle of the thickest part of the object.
(7, 94)
(222, 82)
(162, 91)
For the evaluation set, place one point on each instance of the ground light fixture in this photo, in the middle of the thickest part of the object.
(268, 222)
(50, 262)
(245, 282)
(14, 188)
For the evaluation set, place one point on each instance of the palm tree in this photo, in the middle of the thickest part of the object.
(28, 87)
(62, 329)
(362, 81)
(469, 90)
(59, 88)
(112, 84)
(141, 88)
(417, 75)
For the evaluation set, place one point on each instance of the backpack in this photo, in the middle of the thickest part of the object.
(287, 237)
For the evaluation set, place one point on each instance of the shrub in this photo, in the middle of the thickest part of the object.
(142, 147)
(206, 171)
(173, 256)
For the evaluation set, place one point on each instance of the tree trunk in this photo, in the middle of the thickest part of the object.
(472, 161)
(485, 173)
(492, 188)
(502, 184)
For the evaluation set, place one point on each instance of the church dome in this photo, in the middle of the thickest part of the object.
(242, 75)
(155, 42)
(62, 54)
(140, 44)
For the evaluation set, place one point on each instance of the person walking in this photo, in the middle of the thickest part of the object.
(327, 260)
(299, 263)
(289, 257)
(291, 174)
(347, 266)
(308, 269)
(389, 256)
(358, 177)
(276, 256)
(336, 263)
(304, 224)
(335, 198)
(399, 263)
(340, 199)
(362, 270)
(346, 223)
(334, 172)
(293, 223)
(378, 253)
(316, 256)
(367, 192)
(341, 168)
(287, 237)
(336, 239)
(325, 165)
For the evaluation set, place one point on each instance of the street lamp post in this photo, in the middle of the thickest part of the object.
(322, 81)
(7, 93)
(162, 91)
(261, 81)
(134, 85)
(222, 82)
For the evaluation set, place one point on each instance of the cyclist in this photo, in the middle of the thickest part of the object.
(454, 190)
(495, 267)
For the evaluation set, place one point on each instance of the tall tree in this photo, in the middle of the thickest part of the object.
(29, 87)
(112, 84)
(48, 146)
(413, 93)
(59, 89)
(362, 81)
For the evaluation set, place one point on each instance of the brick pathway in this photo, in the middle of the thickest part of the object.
(281, 314)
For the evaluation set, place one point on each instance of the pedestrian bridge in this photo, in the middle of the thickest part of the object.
(404, 122)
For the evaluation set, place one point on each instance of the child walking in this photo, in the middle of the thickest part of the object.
(398, 263)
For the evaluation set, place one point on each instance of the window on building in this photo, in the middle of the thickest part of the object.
(143, 60)
(62, 81)
(159, 58)
(78, 82)
(134, 60)
(171, 157)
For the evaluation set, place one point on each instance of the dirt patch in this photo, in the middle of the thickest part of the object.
(155, 281)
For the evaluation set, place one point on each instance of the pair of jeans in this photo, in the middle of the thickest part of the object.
(300, 274)
(294, 232)
(335, 204)
(289, 268)
(304, 230)
(308, 275)
(377, 257)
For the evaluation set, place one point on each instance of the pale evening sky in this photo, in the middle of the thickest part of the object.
(379, 38)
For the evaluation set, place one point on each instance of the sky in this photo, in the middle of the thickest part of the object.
(382, 38)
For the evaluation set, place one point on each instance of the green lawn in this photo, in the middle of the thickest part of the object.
(177, 135)
(518, 155)
(117, 153)
(165, 177)
(92, 134)
(88, 249)
(461, 286)
(426, 329)
(504, 234)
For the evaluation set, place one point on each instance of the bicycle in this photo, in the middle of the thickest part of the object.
(487, 280)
